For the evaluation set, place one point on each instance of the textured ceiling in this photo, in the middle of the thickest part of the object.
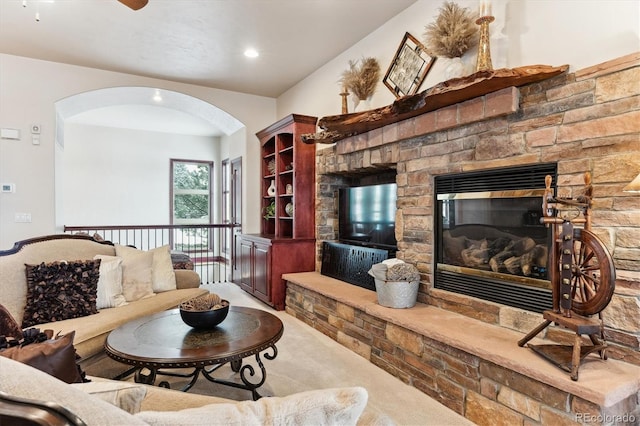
(195, 41)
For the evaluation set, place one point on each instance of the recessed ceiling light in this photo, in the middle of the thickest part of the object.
(251, 53)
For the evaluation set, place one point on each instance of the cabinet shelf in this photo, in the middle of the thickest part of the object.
(285, 243)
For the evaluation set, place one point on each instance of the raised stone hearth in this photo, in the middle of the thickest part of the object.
(472, 367)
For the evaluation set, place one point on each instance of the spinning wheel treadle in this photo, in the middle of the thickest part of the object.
(582, 278)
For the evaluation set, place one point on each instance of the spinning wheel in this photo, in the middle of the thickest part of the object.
(593, 273)
(582, 277)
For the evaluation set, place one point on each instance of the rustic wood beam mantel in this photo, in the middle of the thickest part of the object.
(450, 92)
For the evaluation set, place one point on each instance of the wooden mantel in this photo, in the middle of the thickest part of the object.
(450, 92)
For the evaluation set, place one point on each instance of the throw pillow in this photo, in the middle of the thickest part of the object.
(56, 357)
(60, 290)
(136, 273)
(26, 382)
(126, 396)
(162, 275)
(340, 406)
(109, 294)
(8, 325)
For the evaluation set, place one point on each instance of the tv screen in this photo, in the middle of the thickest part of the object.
(366, 215)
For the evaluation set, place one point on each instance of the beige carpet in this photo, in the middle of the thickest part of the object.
(307, 359)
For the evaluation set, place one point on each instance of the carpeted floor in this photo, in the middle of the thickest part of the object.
(307, 359)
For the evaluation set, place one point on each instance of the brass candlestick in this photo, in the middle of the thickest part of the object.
(344, 94)
(484, 48)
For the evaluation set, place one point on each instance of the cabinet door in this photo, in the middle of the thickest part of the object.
(261, 255)
(246, 259)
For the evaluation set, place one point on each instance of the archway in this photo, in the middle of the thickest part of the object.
(173, 106)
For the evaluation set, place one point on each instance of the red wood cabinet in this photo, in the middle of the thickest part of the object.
(286, 242)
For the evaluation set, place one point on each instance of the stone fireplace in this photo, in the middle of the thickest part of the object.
(584, 121)
(488, 240)
(458, 348)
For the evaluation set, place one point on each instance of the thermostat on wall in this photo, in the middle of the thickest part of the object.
(10, 134)
(8, 187)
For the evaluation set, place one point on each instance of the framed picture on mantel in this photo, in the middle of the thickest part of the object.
(409, 67)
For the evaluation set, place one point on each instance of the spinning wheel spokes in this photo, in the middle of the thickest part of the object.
(593, 279)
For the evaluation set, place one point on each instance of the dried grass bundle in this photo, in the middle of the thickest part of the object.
(203, 303)
(362, 79)
(453, 32)
(403, 272)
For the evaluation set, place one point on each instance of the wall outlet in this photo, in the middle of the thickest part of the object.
(22, 217)
(8, 187)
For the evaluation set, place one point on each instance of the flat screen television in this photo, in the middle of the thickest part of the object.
(366, 215)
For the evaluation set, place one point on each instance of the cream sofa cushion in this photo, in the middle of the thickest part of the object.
(162, 276)
(136, 273)
(20, 380)
(339, 406)
(109, 293)
(126, 396)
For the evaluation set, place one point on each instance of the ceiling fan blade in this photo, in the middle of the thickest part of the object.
(134, 4)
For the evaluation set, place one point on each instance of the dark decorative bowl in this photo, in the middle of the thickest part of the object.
(204, 320)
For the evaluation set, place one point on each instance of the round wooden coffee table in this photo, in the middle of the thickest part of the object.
(164, 341)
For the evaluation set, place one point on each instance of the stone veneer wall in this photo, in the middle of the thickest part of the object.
(474, 387)
(585, 121)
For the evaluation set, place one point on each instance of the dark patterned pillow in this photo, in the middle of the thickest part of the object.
(61, 290)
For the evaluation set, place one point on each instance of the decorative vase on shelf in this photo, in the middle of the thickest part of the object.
(454, 69)
(361, 104)
(289, 209)
(271, 191)
(355, 102)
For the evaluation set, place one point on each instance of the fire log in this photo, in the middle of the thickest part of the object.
(536, 257)
(513, 265)
(497, 261)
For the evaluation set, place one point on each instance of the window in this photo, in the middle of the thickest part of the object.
(191, 192)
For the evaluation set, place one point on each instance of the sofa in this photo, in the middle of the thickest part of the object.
(28, 259)
(25, 391)
(56, 389)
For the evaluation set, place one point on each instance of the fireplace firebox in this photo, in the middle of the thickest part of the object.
(489, 242)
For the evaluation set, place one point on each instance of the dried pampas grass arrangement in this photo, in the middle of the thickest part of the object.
(362, 79)
(453, 33)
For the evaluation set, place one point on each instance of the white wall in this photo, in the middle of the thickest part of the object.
(122, 177)
(525, 32)
(29, 89)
